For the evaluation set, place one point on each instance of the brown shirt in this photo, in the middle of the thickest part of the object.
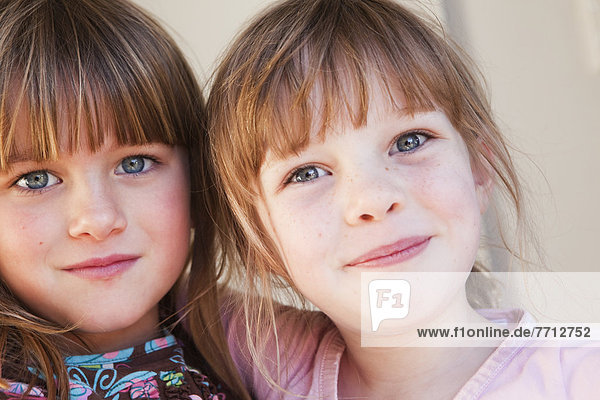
(153, 370)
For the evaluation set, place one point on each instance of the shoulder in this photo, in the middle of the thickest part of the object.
(302, 353)
(580, 370)
(538, 368)
(296, 326)
(554, 372)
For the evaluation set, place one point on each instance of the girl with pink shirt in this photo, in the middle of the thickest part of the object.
(351, 137)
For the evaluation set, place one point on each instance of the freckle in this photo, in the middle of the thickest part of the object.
(387, 169)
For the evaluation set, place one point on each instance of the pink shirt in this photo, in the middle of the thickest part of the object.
(312, 347)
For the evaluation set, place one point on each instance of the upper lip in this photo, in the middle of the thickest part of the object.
(102, 261)
(388, 249)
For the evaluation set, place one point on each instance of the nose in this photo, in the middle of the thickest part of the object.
(371, 196)
(95, 212)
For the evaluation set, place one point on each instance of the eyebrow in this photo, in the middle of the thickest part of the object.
(18, 158)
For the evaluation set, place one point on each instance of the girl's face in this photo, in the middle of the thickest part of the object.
(96, 238)
(395, 195)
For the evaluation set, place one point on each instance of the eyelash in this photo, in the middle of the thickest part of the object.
(417, 132)
(33, 192)
(289, 178)
(155, 164)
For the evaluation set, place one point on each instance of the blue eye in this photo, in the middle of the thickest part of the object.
(37, 180)
(134, 165)
(306, 174)
(410, 141)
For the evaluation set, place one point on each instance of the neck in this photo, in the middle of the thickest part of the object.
(97, 341)
(408, 372)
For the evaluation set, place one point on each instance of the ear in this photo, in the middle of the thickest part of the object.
(484, 186)
(482, 175)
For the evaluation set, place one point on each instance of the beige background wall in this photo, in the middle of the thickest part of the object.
(541, 61)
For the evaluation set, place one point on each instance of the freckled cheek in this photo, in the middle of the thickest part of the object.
(306, 231)
(449, 189)
(35, 227)
(25, 237)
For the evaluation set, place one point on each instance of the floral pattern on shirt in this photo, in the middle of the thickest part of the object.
(154, 370)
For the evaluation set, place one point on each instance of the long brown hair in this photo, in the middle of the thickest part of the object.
(108, 66)
(302, 53)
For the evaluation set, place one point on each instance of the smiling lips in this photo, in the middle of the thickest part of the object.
(391, 254)
(103, 267)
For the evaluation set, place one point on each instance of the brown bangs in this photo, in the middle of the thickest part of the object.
(72, 75)
(314, 79)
